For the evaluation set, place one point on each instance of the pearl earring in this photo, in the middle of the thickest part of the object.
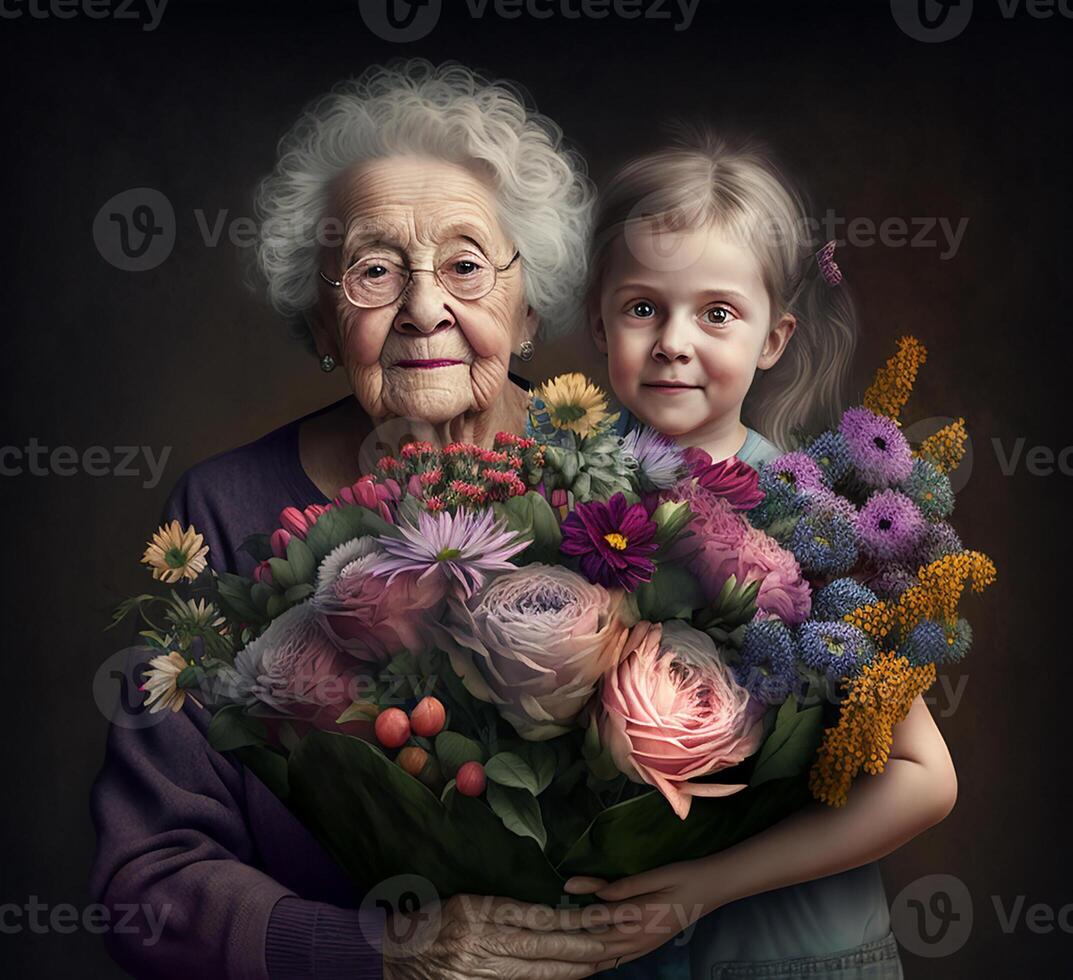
(327, 363)
(526, 351)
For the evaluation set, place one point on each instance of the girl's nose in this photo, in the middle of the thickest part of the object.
(673, 342)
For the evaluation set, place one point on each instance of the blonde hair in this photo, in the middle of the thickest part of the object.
(702, 180)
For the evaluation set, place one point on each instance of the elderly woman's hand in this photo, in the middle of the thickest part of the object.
(481, 936)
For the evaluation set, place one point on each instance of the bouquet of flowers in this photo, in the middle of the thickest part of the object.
(594, 654)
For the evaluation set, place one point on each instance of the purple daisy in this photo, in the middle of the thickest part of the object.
(462, 546)
(613, 540)
(890, 526)
(879, 452)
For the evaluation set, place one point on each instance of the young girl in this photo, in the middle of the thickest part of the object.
(709, 301)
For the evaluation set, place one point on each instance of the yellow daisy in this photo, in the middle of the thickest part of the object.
(161, 682)
(175, 554)
(573, 403)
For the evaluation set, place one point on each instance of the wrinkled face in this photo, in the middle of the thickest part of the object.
(684, 337)
(428, 354)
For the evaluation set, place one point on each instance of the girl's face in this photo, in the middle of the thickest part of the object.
(685, 320)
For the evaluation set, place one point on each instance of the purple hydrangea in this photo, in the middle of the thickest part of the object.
(890, 526)
(940, 539)
(891, 580)
(880, 454)
(798, 469)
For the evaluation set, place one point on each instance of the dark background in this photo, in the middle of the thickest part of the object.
(185, 356)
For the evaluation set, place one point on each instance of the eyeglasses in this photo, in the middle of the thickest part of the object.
(375, 282)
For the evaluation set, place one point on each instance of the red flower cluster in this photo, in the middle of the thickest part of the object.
(462, 473)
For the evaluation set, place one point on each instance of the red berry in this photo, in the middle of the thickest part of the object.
(470, 779)
(412, 759)
(428, 718)
(392, 728)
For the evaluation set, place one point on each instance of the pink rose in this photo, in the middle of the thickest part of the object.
(671, 712)
(367, 616)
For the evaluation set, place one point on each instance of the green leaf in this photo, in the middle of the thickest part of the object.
(126, 606)
(359, 711)
(406, 829)
(302, 564)
(297, 593)
(282, 575)
(519, 811)
(792, 744)
(542, 759)
(509, 769)
(447, 790)
(454, 750)
(277, 605)
(671, 517)
(342, 524)
(673, 593)
(259, 546)
(231, 728)
(235, 596)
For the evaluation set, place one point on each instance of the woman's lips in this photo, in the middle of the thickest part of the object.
(431, 363)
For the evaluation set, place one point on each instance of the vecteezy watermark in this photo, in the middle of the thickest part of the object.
(934, 21)
(148, 12)
(1038, 460)
(933, 916)
(120, 918)
(118, 680)
(406, 21)
(414, 916)
(135, 230)
(35, 459)
(663, 241)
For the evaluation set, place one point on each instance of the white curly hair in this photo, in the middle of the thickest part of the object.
(544, 195)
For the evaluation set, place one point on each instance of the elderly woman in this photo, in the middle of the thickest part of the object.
(423, 227)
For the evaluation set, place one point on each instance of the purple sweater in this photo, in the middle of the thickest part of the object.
(227, 882)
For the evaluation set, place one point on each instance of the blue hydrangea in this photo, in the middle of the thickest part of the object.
(840, 597)
(768, 668)
(824, 543)
(831, 455)
(836, 649)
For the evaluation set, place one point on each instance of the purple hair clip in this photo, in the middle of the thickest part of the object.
(825, 257)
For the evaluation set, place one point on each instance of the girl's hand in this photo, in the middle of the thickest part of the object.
(649, 909)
